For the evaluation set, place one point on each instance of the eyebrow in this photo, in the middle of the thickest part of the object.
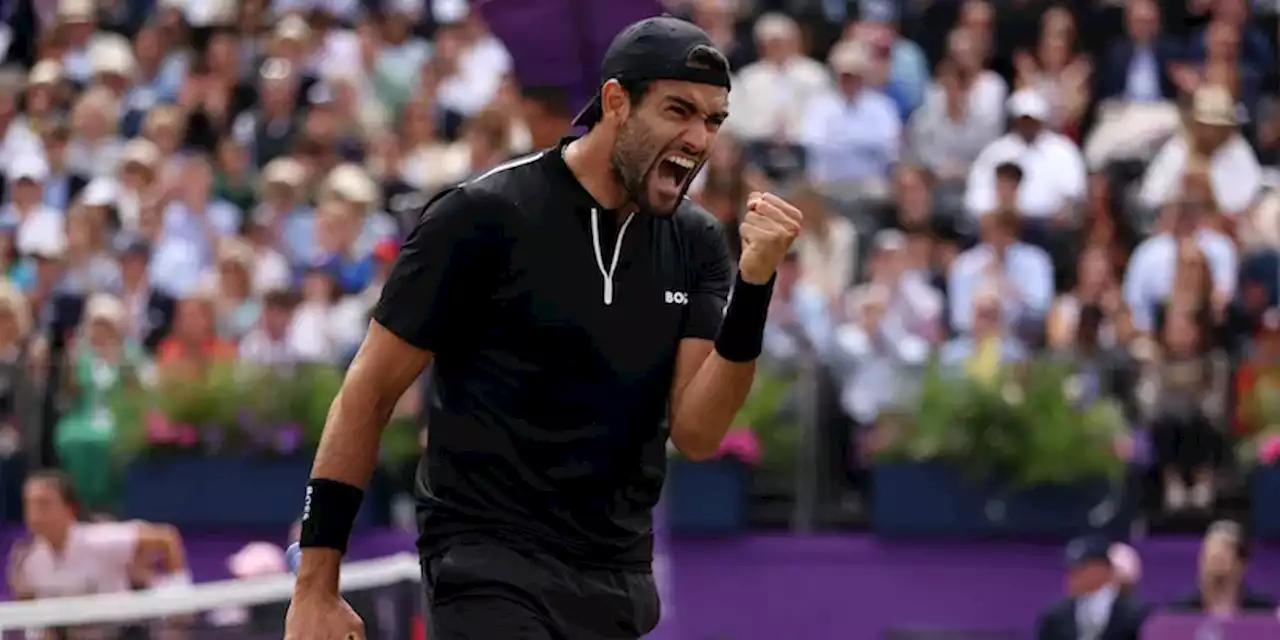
(716, 117)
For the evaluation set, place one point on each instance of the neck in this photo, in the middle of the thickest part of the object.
(588, 159)
(59, 540)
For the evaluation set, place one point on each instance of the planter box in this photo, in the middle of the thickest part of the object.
(930, 500)
(706, 498)
(228, 492)
(1264, 502)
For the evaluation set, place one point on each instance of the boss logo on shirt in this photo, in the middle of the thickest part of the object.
(675, 297)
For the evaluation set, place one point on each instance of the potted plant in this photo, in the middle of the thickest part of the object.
(710, 497)
(232, 447)
(1017, 456)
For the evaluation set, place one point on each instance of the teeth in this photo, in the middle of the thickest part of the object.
(680, 161)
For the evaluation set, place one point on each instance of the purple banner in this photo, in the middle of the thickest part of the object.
(1167, 626)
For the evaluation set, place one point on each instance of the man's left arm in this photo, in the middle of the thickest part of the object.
(162, 541)
(715, 363)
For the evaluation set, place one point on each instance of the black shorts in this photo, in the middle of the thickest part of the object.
(481, 590)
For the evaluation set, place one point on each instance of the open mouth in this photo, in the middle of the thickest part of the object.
(674, 170)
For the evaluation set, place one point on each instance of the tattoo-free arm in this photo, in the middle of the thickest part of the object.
(382, 370)
(162, 541)
(707, 393)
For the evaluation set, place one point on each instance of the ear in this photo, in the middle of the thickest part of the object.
(614, 102)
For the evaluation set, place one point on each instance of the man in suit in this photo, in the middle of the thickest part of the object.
(1096, 607)
(151, 310)
(1136, 67)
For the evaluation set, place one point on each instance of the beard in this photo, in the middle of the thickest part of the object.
(635, 157)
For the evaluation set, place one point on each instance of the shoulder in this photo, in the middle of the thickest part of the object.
(967, 260)
(1063, 608)
(490, 195)
(694, 218)
(1060, 144)
(880, 101)
(699, 231)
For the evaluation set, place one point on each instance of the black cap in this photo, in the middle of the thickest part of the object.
(1088, 549)
(661, 48)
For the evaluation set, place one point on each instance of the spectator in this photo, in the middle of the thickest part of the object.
(1095, 607)
(26, 209)
(95, 149)
(1148, 282)
(63, 185)
(798, 319)
(149, 311)
(238, 309)
(773, 95)
(852, 133)
(913, 309)
(1052, 166)
(193, 346)
(1057, 72)
(102, 363)
(1097, 292)
(904, 69)
(988, 345)
(1182, 392)
(90, 266)
(319, 331)
(19, 411)
(1021, 274)
(1136, 66)
(194, 226)
(1224, 559)
(876, 367)
(268, 343)
(827, 250)
(1210, 142)
(66, 557)
(960, 115)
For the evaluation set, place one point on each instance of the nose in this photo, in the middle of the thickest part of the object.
(697, 138)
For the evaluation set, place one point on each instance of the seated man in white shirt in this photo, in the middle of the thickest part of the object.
(26, 208)
(66, 557)
(1053, 169)
(1235, 177)
(770, 96)
(268, 343)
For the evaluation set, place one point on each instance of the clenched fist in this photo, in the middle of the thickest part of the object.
(767, 231)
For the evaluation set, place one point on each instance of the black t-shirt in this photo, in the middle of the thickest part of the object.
(549, 423)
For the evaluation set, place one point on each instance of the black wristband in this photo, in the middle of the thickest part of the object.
(329, 513)
(741, 336)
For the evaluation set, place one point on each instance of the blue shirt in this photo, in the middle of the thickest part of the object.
(1027, 268)
(184, 251)
(1149, 279)
(851, 139)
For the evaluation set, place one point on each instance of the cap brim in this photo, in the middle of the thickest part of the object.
(590, 114)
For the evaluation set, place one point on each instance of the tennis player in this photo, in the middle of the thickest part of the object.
(574, 304)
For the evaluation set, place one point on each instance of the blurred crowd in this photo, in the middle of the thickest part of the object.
(988, 181)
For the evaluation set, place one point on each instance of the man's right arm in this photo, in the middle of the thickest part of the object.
(433, 287)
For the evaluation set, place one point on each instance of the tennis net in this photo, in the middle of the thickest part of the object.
(384, 592)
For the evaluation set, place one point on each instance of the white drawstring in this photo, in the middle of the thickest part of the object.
(617, 251)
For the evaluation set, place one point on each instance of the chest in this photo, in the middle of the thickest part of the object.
(611, 303)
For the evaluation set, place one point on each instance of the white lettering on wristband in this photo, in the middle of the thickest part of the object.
(306, 505)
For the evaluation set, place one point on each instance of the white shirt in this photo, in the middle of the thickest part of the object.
(770, 99)
(95, 560)
(258, 348)
(270, 271)
(41, 228)
(480, 71)
(1234, 174)
(1053, 174)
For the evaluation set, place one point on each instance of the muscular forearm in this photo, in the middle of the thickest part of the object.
(709, 404)
(347, 453)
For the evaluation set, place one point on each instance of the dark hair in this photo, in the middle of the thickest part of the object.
(62, 484)
(551, 98)
(1009, 171)
(279, 299)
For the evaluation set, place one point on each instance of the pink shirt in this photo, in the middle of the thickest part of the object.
(96, 560)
